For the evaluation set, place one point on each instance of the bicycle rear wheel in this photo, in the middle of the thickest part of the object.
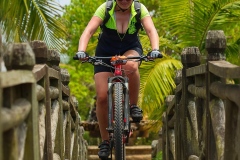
(119, 146)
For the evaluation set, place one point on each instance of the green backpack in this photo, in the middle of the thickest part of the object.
(137, 6)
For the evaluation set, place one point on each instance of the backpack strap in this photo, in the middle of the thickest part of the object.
(137, 7)
(109, 5)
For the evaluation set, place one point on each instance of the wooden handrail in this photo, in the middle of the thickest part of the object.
(37, 96)
(12, 117)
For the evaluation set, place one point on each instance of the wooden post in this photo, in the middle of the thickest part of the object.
(190, 57)
(40, 50)
(1, 144)
(177, 129)
(68, 136)
(53, 60)
(48, 143)
(165, 143)
(215, 46)
(232, 131)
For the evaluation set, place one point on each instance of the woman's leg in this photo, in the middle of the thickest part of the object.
(101, 84)
(131, 70)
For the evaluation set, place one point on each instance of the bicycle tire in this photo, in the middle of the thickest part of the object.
(119, 146)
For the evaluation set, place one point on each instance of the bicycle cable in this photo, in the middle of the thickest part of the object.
(100, 62)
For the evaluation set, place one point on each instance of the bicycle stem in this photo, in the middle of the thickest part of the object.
(118, 70)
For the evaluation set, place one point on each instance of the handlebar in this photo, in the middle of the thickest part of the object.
(96, 58)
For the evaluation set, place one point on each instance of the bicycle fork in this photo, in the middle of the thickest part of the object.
(111, 82)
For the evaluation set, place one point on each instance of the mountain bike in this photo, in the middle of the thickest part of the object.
(119, 123)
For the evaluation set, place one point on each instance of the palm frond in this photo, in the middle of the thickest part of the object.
(27, 20)
(191, 23)
(157, 82)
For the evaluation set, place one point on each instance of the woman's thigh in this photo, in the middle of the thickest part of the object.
(101, 84)
(131, 66)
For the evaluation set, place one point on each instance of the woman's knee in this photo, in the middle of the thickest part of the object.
(131, 66)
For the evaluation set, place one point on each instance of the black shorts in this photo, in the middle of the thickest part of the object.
(110, 68)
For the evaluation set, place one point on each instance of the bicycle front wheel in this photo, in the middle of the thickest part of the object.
(118, 118)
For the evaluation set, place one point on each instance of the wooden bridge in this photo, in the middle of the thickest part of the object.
(39, 118)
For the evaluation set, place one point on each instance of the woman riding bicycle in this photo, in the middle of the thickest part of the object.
(119, 37)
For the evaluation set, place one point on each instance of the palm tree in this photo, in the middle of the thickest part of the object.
(27, 20)
(188, 21)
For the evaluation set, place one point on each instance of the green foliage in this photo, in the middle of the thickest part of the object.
(147, 140)
(82, 86)
(159, 156)
(157, 81)
(190, 21)
(76, 17)
(28, 20)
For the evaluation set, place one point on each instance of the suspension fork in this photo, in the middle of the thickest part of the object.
(118, 72)
(126, 106)
(124, 81)
(110, 106)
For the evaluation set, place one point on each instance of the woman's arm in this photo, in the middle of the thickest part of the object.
(151, 32)
(90, 29)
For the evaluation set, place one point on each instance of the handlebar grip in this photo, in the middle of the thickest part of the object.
(160, 55)
(75, 57)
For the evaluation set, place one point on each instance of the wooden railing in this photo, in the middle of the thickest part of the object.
(202, 120)
(39, 118)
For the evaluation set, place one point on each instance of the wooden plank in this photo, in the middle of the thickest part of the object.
(10, 141)
(232, 131)
(48, 147)
(16, 77)
(224, 69)
(170, 107)
(66, 105)
(32, 139)
(76, 148)
(178, 88)
(226, 91)
(201, 69)
(53, 73)
(35, 122)
(59, 145)
(39, 71)
(73, 106)
(15, 115)
(172, 121)
(68, 136)
(65, 90)
(197, 91)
